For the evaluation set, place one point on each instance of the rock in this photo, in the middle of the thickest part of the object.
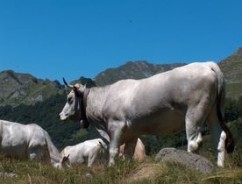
(191, 160)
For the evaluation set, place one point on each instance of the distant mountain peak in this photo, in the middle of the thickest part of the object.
(132, 70)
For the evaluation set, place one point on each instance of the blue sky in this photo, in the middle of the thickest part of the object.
(56, 38)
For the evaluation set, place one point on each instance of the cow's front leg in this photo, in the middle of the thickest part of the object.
(115, 128)
(91, 159)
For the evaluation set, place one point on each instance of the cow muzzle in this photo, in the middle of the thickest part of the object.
(63, 116)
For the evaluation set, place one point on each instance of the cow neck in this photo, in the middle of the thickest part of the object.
(83, 103)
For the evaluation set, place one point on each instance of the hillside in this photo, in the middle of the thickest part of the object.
(18, 88)
(232, 69)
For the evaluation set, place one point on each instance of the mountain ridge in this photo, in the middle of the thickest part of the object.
(232, 69)
(23, 88)
(132, 70)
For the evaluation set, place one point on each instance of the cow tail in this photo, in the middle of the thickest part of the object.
(53, 151)
(229, 142)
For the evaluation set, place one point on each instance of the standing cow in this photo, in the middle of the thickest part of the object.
(165, 103)
(28, 142)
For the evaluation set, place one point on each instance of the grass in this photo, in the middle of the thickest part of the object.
(147, 172)
(225, 176)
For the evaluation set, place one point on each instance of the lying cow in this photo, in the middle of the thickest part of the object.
(89, 150)
(139, 152)
(166, 103)
(86, 151)
(28, 142)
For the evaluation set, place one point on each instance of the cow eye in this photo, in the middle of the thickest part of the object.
(70, 100)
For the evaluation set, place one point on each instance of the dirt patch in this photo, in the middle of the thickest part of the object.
(145, 171)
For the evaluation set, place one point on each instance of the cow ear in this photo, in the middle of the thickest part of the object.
(77, 91)
(75, 88)
(65, 159)
(81, 87)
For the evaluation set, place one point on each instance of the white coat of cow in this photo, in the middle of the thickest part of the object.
(89, 150)
(166, 103)
(86, 151)
(28, 142)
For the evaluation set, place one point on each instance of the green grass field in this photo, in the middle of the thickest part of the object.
(27, 172)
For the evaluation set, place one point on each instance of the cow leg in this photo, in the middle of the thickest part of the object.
(81, 160)
(194, 120)
(32, 155)
(35, 153)
(115, 128)
(218, 136)
(91, 159)
(39, 153)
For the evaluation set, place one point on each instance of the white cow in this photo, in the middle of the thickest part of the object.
(88, 151)
(28, 142)
(166, 103)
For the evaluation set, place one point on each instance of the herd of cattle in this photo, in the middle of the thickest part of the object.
(166, 103)
(33, 142)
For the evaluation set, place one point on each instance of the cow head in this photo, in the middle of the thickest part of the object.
(74, 108)
(65, 161)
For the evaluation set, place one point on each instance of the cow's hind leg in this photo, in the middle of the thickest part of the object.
(38, 153)
(194, 120)
(218, 136)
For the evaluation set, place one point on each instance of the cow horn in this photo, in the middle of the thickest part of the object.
(68, 85)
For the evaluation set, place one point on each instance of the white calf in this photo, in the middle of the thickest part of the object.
(89, 150)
